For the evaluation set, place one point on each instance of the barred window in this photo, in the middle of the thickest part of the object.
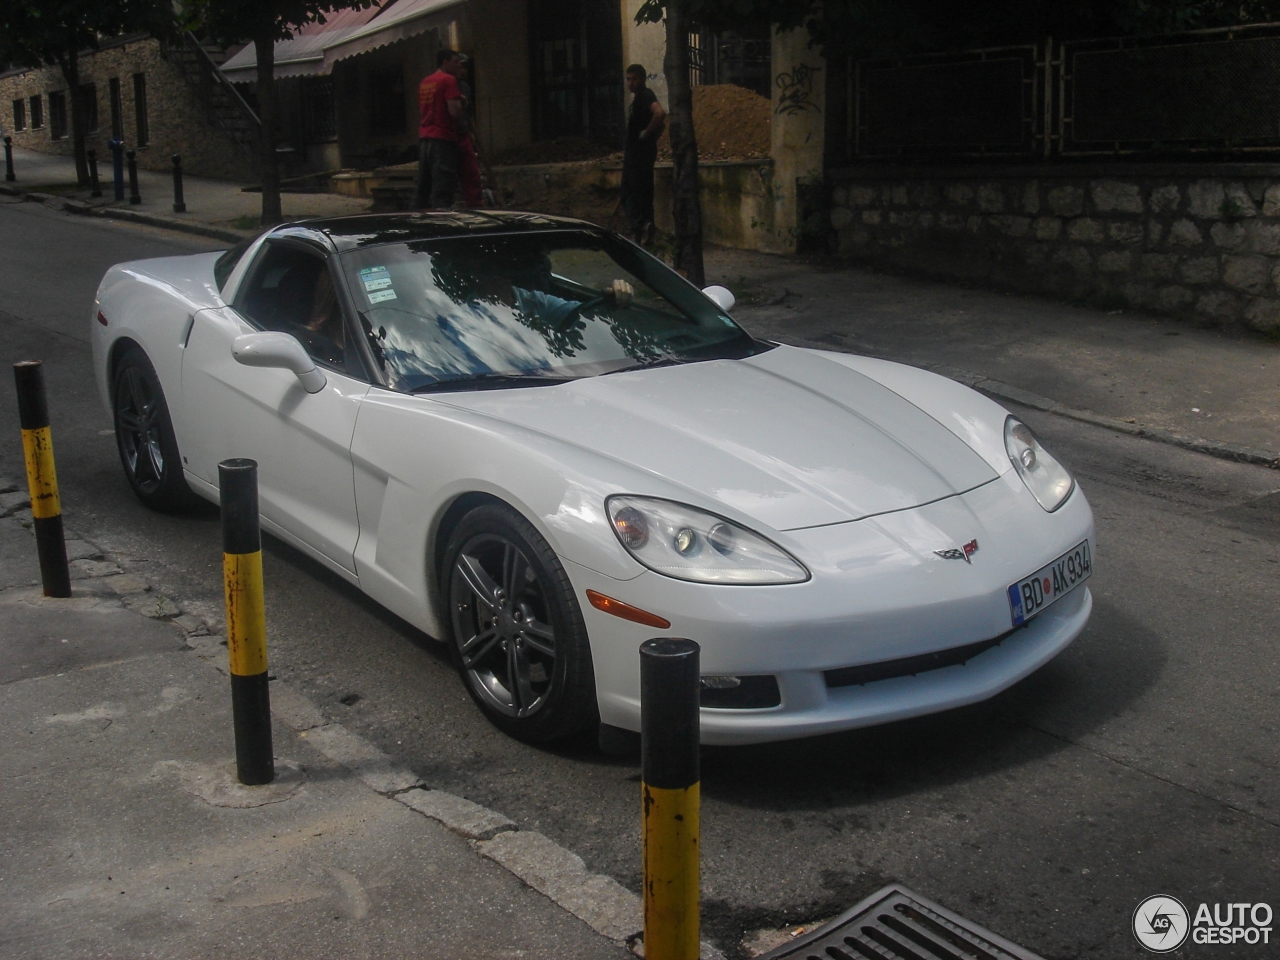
(89, 106)
(37, 112)
(19, 114)
(142, 133)
(58, 115)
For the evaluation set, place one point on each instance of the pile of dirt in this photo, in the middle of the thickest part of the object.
(730, 123)
(560, 150)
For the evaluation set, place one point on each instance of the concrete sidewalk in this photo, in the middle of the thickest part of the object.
(220, 204)
(127, 835)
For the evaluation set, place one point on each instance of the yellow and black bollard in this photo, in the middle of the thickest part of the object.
(246, 620)
(42, 479)
(669, 685)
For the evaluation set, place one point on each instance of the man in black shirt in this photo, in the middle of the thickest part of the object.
(644, 126)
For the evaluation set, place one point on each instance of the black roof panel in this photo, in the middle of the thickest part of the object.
(369, 229)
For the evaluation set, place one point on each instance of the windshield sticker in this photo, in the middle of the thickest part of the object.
(375, 278)
(380, 295)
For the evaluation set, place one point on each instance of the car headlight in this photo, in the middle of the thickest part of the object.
(1044, 476)
(686, 543)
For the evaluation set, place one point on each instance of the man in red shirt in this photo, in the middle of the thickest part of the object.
(440, 108)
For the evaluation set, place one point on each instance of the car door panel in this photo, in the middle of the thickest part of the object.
(301, 441)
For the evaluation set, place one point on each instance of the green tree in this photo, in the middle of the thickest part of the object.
(38, 33)
(263, 22)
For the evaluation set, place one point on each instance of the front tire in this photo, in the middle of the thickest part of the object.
(144, 435)
(518, 634)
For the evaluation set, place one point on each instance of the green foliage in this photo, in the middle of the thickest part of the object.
(38, 32)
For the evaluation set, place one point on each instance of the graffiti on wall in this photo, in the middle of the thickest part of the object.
(795, 90)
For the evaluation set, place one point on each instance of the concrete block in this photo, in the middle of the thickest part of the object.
(1184, 233)
(1117, 196)
(1085, 230)
(1066, 201)
(1115, 261)
(872, 216)
(1199, 270)
(1075, 257)
(898, 196)
(903, 218)
(1158, 266)
(1263, 313)
(924, 195)
(1138, 294)
(295, 710)
(839, 196)
(960, 194)
(1155, 232)
(841, 217)
(1250, 274)
(1047, 228)
(973, 224)
(1165, 199)
(1174, 298)
(81, 550)
(1205, 198)
(948, 220)
(1031, 197)
(362, 758)
(1228, 236)
(991, 198)
(1271, 201)
(1219, 305)
(1262, 236)
(1237, 202)
(1125, 231)
(600, 902)
(463, 817)
(924, 219)
(1010, 225)
(863, 195)
(126, 583)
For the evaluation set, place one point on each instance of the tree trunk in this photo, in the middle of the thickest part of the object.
(71, 74)
(264, 46)
(685, 205)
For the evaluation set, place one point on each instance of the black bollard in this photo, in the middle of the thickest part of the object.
(95, 188)
(246, 620)
(670, 792)
(8, 160)
(42, 479)
(117, 168)
(134, 195)
(179, 205)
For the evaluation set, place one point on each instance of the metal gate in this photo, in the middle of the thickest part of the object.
(1208, 92)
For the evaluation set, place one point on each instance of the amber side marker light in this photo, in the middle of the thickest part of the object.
(626, 611)
(102, 318)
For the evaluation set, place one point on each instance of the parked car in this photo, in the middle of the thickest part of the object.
(536, 442)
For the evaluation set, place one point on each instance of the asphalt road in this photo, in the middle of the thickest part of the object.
(1141, 761)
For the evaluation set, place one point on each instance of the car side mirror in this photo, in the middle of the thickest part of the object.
(720, 296)
(275, 349)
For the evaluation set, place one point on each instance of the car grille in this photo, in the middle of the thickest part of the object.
(910, 666)
(896, 924)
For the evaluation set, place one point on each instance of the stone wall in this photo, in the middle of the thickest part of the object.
(176, 120)
(1194, 240)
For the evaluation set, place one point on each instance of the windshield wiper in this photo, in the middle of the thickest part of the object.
(489, 381)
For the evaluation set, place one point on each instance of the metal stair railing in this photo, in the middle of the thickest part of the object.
(203, 76)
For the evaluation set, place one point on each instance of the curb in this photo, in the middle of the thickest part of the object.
(132, 216)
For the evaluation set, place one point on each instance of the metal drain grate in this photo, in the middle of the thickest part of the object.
(896, 924)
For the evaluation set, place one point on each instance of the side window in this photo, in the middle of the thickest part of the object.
(291, 290)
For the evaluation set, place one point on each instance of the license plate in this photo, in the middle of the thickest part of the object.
(1050, 583)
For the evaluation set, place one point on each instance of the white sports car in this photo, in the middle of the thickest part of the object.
(531, 439)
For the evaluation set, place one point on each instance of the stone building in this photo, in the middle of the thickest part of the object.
(135, 91)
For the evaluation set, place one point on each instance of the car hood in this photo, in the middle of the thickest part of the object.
(788, 437)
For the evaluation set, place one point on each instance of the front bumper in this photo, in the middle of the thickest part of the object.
(879, 592)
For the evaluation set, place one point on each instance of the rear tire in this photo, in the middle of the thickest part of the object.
(144, 435)
(517, 631)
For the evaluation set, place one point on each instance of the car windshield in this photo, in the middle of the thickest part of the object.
(521, 309)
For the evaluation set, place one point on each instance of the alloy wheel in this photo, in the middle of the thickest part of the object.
(502, 625)
(138, 428)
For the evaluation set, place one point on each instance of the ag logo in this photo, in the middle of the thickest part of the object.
(1161, 923)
